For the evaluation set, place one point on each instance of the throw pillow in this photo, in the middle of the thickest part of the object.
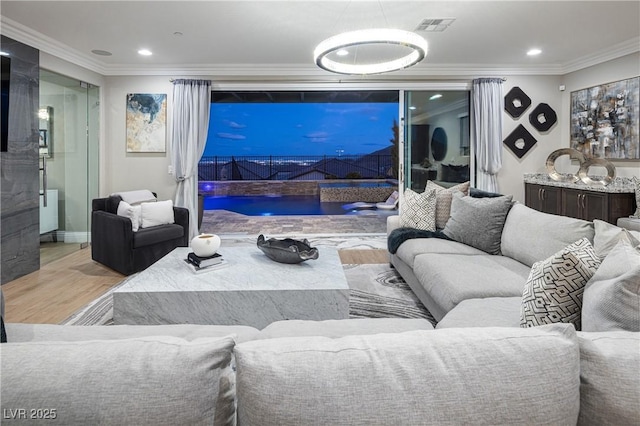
(136, 197)
(418, 210)
(607, 237)
(443, 200)
(612, 295)
(553, 292)
(158, 213)
(478, 222)
(636, 182)
(132, 212)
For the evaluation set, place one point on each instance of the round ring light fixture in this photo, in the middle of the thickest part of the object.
(370, 37)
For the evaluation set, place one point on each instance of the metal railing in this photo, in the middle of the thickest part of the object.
(308, 167)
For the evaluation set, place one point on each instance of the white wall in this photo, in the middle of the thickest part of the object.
(129, 171)
(541, 89)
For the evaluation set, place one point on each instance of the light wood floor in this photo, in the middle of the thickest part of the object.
(63, 286)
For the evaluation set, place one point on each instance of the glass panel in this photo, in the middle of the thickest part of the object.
(436, 138)
(71, 151)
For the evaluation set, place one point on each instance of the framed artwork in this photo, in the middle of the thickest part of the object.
(146, 122)
(605, 120)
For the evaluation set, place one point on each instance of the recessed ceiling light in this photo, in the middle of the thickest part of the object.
(342, 52)
(177, 33)
(101, 52)
(534, 52)
(145, 52)
(436, 96)
(2, 53)
(412, 108)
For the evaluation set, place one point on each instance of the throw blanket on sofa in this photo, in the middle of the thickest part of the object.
(400, 235)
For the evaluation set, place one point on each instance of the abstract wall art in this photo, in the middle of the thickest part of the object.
(146, 122)
(605, 120)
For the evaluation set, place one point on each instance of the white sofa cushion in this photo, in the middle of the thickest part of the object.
(609, 378)
(607, 236)
(470, 376)
(530, 236)
(154, 380)
(486, 312)
(612, 296)
(451, 278)
(342, 328)
(74, 333)
(408, 250)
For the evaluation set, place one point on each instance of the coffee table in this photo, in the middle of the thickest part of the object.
(250, 290)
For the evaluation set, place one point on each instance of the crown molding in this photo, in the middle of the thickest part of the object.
(245, 72)
(48, 45)
(616, 51)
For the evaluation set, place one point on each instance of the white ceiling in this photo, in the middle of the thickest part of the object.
(278, 37)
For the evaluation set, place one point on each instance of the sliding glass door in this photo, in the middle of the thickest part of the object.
(436, 138)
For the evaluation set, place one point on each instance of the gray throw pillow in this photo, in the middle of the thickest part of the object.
(478, 222)
(553, 293)
(612, 295)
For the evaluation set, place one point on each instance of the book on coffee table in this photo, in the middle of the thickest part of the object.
(200, 269)
(203, 262)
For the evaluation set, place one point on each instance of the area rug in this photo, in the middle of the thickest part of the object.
(377, 291)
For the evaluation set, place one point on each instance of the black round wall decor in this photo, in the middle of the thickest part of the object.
(516, 102)
(520, 141)
(543, 117)
(439, 144)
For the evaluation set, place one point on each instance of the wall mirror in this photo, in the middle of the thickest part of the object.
(45, 141)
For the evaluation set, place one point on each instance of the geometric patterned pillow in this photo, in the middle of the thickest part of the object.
(418, 210)
(636, 182)
(554, 289)
(443, 200)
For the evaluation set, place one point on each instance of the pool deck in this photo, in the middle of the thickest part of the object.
(364, 222)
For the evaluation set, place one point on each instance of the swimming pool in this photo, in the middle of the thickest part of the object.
(274, 205)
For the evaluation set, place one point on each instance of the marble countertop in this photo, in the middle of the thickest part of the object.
(619, 184)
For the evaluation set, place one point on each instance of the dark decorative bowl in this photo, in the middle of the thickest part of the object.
(287, 250)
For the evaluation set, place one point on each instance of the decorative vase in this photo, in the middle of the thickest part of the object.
(205, 245)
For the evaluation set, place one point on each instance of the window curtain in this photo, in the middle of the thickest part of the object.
(191, 104)
(488, 104)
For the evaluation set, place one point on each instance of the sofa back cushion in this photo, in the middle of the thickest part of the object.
(530, 236)
(609, 378)
(611, 299)
(470, 376)
(155, 380)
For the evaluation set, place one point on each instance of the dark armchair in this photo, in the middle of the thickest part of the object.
(114, 244)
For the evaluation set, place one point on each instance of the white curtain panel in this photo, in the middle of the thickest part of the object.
(488, 104)
(191, 104)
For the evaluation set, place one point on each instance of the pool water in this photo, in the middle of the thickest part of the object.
(277, 205)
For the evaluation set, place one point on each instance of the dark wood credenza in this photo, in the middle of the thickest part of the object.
(579, 203)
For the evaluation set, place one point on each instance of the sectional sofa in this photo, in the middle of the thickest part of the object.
(478, 366)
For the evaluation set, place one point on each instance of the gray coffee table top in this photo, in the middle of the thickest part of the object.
(250, 290)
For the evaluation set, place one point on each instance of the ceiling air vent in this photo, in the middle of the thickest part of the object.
(434, 25)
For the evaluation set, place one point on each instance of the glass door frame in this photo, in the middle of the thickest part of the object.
(404, 175)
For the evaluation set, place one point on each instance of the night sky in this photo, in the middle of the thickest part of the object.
(299, 128)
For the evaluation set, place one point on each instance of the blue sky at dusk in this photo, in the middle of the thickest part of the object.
(299, 128)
